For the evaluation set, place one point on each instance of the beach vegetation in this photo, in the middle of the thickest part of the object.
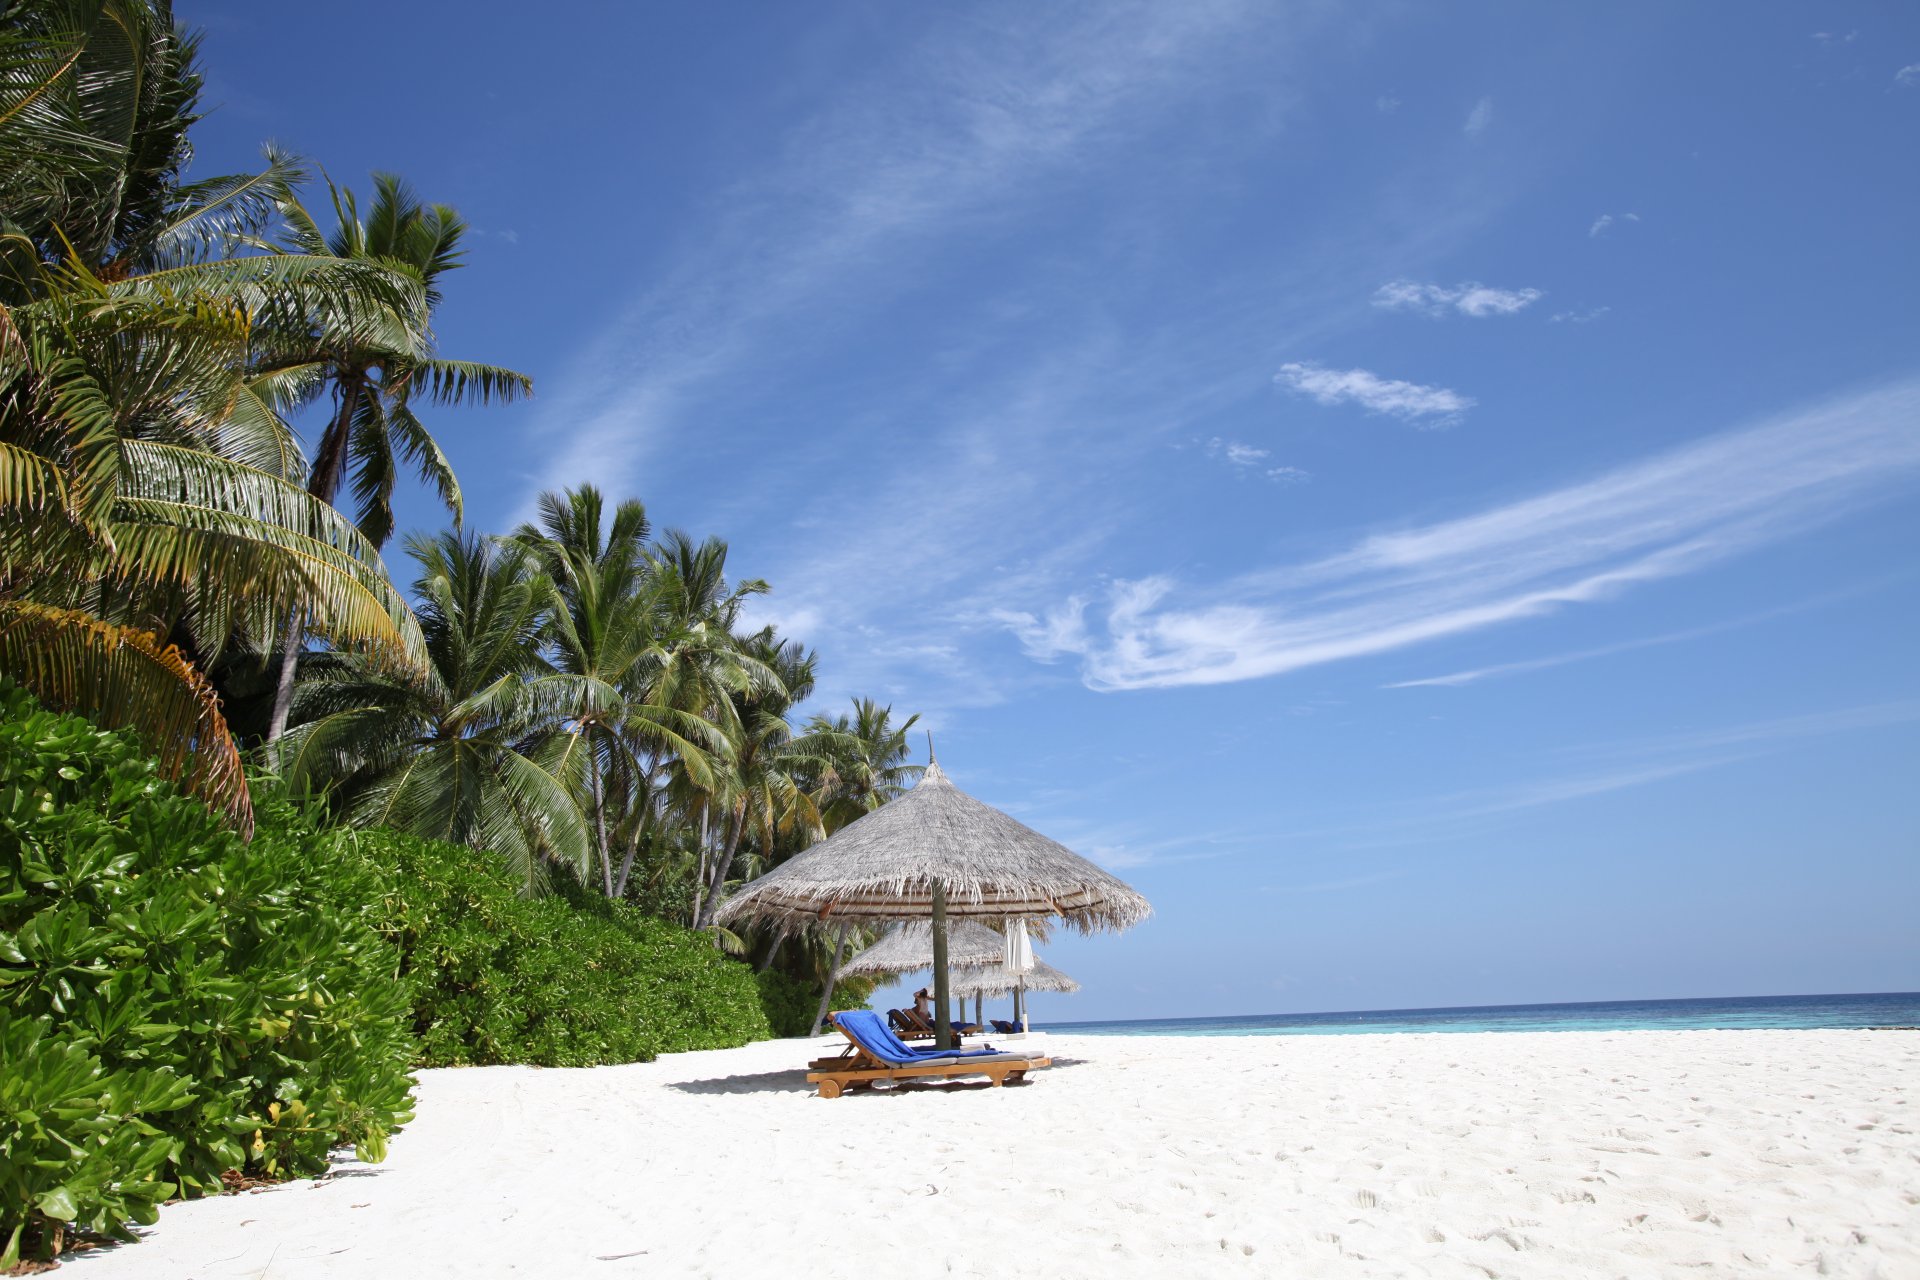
(176, 1003)
(568, 979)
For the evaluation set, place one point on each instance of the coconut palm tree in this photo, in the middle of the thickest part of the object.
(377, 365)
(764, 790)
(866, 766)
(602, 625)
(451, 756)
(142, 489)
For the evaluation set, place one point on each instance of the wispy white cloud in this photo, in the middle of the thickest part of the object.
(1579, 317)
(1336, 886)
(953, 132)
(1474, 676)
(1604, 769)
(1408, 401)
(1674, 514)
(1836, 37)
(1469, 298)
(1240, 455)
(1386, 104)
(1479, 118)
(1250, 460)
(1605, 223)
(1908, 77)
(1549, 791)
(1764, 734)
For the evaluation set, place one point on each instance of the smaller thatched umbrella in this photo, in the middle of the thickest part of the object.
(999, 979)
(907, 947)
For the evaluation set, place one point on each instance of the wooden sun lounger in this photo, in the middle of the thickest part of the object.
(858, 1069)
(831, 1084)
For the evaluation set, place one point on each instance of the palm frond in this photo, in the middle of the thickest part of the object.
(125, 678)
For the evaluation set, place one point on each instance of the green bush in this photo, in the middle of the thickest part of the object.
(790, 1003)
(569, 980)
(174, 1002)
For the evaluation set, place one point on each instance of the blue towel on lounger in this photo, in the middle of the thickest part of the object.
(873, 1035)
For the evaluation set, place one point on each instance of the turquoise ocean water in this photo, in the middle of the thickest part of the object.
(1893, 1009)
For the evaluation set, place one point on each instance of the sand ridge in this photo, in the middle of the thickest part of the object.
(1631, 1154)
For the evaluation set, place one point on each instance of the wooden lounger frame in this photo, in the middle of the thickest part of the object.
(832, 1083)
(854, 1068)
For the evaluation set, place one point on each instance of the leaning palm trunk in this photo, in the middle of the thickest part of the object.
(600, 823)
(723, 863)
(833, 972)
(700, 875)
(324, 484)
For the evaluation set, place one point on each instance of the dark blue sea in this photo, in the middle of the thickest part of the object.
(1893, 1009)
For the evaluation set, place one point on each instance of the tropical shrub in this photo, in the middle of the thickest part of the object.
(566, 980)
(174, 1002)
(790, 1004)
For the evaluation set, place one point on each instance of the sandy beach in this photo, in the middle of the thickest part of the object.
(1651, 1153)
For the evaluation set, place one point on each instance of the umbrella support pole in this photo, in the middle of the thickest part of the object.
(942, 1006)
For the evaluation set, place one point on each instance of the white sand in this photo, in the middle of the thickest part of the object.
(1749, 1153)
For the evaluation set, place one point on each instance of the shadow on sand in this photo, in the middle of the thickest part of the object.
(795, 1081)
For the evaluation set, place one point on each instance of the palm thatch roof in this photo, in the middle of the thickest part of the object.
(907, 947)
(885, 864)
(997, 980)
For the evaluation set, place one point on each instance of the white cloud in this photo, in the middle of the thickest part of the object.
(1834, 37)
(1765, 733)
(1386, 104)
(1248, 460)
(1908, 77)
(954, 130)
(1479, 118)
(1335, 886)
(1240, 455)
(1408, 401)
(1468, 298)
(1674, 514)
(1604, 223)
(1578, 317)
(1457, 678)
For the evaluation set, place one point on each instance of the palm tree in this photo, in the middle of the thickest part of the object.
(142, 489)
(867, 766)
(697, 665)
(376, 365)
(764, 790)
(451, 756)
(602, 626)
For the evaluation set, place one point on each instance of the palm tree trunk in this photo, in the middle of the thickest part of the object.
(826, 992)
(626, 862)
(600, 822)
(723, 863)
(329, 466)
(626, 870)
(700, 876)
(773, 949)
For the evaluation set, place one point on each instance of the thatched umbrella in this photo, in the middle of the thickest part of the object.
(936, 851)
(907, 947)
(999, 979)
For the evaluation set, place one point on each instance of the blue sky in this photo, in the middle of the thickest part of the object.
(1429, 496)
